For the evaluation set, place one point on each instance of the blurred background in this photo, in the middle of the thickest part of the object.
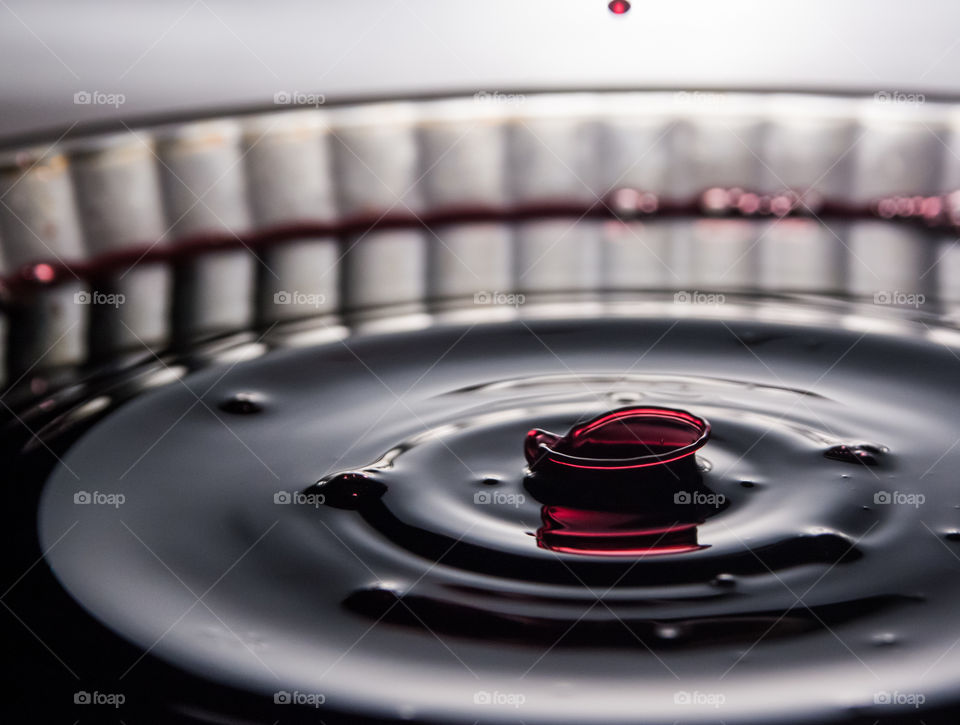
(137, 133)
(197, 183)
(192, 56)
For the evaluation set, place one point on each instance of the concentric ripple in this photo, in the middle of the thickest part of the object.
(373, 522)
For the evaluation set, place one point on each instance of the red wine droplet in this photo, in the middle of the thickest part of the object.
(622, 439)
(618, 518)
(619, 7)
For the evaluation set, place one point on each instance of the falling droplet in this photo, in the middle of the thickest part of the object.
(491, 480)
(619, 7)
(952, 536)
(747, 484)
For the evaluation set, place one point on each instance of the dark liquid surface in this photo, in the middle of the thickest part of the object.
(793, 579)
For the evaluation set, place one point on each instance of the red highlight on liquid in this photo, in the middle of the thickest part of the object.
(43, 273)
(619, 7)
(623, 439)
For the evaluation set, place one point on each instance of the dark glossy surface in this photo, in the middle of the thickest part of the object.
(419, 585)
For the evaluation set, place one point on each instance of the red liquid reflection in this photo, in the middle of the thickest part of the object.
(610, 533)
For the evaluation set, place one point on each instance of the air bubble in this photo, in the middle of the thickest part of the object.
(864, 453)
(884, 639)
(667, 631)
(242, 404)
